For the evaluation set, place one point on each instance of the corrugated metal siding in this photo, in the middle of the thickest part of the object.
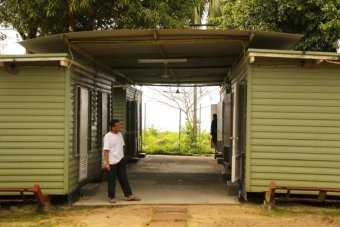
(240, 74)
(133, 94)
(96, 86)
(295, 126)
(32, 112)
(120, 100)
(119, 105)
(73, 159)
(121, 96)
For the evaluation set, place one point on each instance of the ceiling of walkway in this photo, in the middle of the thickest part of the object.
(155, 57)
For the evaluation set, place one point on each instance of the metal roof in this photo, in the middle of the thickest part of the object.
(209, 54)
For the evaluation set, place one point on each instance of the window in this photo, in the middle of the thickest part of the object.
(82, 121)
(89, 124)
(103, 116)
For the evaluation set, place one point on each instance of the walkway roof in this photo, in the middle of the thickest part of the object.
(185, 56)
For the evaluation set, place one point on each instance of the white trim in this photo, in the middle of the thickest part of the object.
(252, 56)
(28, 59)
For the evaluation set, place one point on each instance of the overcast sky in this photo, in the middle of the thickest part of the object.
(9, 44)
(164, 117)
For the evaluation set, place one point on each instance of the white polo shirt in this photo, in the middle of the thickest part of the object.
(114, 143)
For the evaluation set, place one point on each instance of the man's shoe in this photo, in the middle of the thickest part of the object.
(132, 198)
(112, 200)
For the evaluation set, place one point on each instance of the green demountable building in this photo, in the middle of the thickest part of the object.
(54, 114)
(281, 120)
(279, 110)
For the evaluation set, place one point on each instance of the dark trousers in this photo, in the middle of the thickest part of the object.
(118, 170)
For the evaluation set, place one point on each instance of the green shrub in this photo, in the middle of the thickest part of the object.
(166, 142)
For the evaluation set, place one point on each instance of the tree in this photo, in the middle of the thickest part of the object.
(183, 99)
(41, 17)
(317, 20)
(214, 9)
(45, 17)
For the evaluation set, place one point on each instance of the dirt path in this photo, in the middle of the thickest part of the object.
(257, 216)
(197, 215)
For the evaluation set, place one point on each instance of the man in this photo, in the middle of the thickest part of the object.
(115, 163)
(213, 131)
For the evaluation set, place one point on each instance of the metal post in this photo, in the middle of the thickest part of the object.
(195, 115)
(144, 120)
(200, 119)
(179, 131)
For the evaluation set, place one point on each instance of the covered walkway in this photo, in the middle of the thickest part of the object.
(157, 57)
(161, 179)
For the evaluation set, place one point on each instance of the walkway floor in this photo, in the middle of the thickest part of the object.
(174, 180)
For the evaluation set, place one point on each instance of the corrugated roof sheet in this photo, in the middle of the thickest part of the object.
(210, 53)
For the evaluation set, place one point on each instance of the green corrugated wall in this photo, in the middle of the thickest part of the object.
(294, 125)
(32, 129)
(121, 95)
(119, 105)
(97, 86)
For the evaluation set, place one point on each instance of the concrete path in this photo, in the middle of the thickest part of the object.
(159, 179)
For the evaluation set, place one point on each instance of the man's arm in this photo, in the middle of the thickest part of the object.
(106, 157)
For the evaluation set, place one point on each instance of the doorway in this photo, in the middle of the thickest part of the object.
(83, 131)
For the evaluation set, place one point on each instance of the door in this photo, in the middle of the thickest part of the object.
(227, 126)
(139, 128)
(220, 127)
(83, 121)
(235, 134)
(103, 122)
(131, 128)
(104, 113)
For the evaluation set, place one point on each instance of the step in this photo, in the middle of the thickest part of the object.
(218, 155)
(133, 160)
(226, 176)
(141, 155)
(89, 189)
(232, 188)
(168, 224)
(220, 161)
